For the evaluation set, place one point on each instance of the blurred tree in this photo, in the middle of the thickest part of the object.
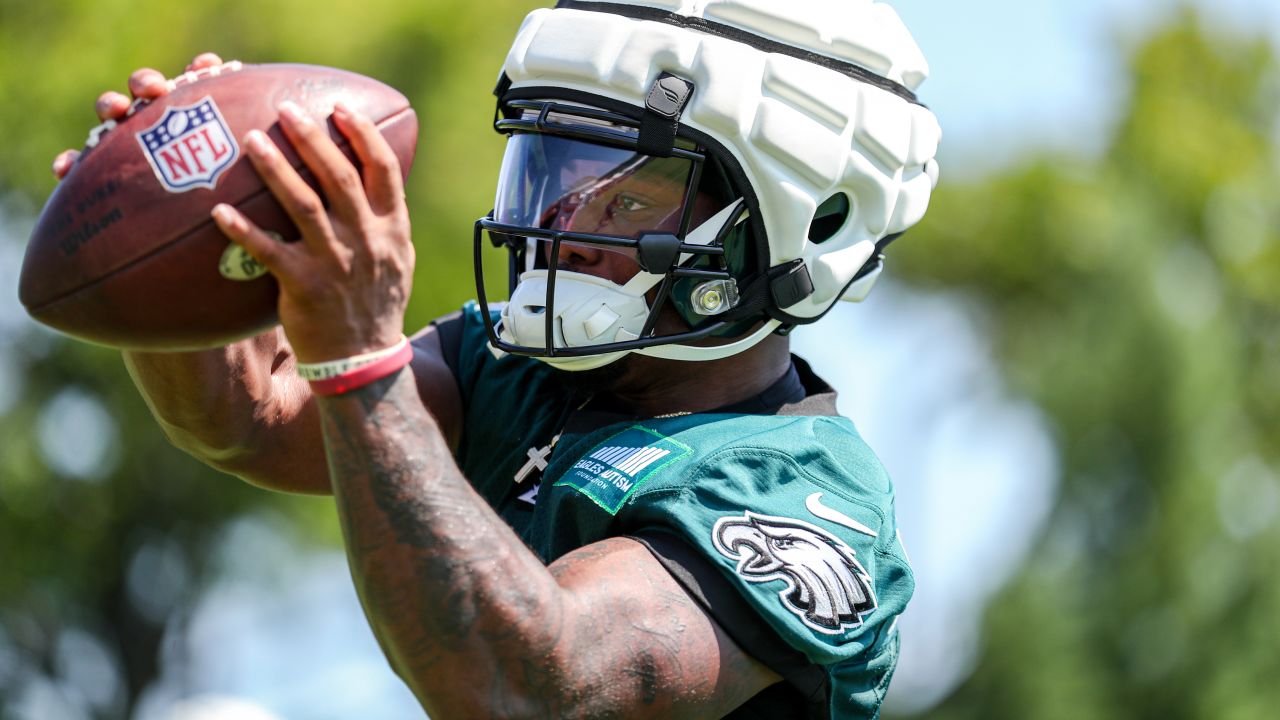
(104, 528)
(1136, 298)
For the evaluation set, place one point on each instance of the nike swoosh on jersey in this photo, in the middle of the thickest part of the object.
(814, 503)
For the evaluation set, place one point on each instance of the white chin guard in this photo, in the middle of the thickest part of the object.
(589, 311)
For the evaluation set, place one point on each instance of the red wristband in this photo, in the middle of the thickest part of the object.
(365, 374)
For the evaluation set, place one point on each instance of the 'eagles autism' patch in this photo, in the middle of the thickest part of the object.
(612, 471)
(189, 147)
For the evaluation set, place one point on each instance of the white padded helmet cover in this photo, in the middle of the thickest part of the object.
(801, 132)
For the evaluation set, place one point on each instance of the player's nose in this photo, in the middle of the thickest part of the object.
(576, 257)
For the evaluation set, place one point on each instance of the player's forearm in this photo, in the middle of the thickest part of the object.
(198, 397)
(234, 409)
(466, 613)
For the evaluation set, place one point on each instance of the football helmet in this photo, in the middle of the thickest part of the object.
(731, 169)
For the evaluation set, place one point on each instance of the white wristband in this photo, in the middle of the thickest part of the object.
(334, 368)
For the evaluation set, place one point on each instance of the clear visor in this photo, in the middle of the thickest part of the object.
(562, 184)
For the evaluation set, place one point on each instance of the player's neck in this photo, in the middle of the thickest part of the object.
(651, 386)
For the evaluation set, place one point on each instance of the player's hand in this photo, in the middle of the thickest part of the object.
(145, 84)
(344, 288)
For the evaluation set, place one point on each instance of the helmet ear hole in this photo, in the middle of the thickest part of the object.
(829, 218)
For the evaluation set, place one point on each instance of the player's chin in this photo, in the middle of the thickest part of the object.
(596, 380)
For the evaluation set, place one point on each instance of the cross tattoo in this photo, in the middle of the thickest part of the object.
(537, 460)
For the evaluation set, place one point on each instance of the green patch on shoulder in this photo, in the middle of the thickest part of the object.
(615, 468)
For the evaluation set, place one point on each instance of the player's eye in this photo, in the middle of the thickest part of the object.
(630, 204)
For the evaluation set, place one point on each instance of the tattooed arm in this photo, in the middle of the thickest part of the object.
(473, 621)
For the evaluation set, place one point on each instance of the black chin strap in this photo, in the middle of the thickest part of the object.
(782, 286)
(785, 285)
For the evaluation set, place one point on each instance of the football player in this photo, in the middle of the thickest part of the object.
(617, 493)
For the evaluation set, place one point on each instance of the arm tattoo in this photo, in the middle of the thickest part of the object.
(468, 615)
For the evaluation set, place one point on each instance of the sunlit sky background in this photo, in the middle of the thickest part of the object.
(974, 465)
(1009, 75)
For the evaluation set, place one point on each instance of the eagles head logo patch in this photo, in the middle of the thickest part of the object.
(826, 585)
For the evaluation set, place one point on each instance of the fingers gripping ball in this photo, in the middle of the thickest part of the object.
(125, 252)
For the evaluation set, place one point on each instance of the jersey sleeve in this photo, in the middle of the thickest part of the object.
(795, 554)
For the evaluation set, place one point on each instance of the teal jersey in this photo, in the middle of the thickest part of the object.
(775, 516)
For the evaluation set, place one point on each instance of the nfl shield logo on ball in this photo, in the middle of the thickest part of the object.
(189, 147)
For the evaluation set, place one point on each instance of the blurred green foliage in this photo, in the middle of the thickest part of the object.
(1136, 298)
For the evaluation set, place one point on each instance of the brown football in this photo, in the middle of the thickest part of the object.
(125, 253)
